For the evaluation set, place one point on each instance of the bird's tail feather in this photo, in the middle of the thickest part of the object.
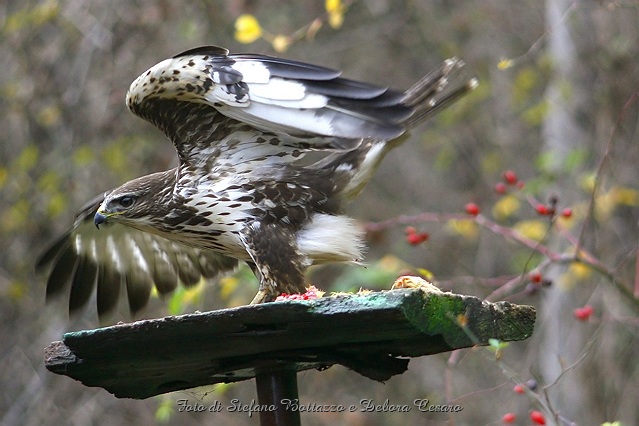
(437, 90)
(432, 93)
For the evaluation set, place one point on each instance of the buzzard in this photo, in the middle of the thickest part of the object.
(241, 123)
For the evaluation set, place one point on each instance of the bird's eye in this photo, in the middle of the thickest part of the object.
(126, 201)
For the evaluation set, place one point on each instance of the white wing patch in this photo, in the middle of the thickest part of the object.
(279, 119)
(252, 71)
(278, 89)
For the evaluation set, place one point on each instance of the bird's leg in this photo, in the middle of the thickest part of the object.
(275, 261)
(261, 297)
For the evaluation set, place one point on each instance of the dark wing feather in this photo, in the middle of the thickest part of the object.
(83, 282)
(349, 89)
(63, 268)
(204, 50)
(115, 255)
(109, 285)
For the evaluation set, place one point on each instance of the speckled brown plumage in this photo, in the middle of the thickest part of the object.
(240, 124)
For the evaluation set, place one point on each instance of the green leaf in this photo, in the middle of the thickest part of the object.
(165, 410)
(496, 345)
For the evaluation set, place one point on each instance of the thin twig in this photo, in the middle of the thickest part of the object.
(600, 167)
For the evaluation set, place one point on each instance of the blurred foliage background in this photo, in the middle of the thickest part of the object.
(556, 103)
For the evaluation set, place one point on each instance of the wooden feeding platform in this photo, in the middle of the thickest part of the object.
(372, 333)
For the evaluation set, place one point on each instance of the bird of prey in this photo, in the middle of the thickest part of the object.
(240, 124)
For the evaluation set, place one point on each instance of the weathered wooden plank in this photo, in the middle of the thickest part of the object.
(371, 333)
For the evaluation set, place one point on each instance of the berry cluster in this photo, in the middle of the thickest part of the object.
(535, 281)
(413, 237)
(537, 417)
(509, 178)
(550, 209)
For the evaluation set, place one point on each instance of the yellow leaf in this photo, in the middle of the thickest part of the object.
(335, 20)
(16, 291)
(49, 182)
(57, 205)
(464, 227)
(505, 64)
(335, 10)
(27, 158)
(247, 29)
(588, 182)
(164, 411)
(31, 16)
(83, 155)
(580, 270)
(490, 162)
(533, 229)
(575, 273)
(222, 388)
(626, 196)
(426, 274)
(4, 174)
(17, 215)
(49, 116)
(281, 43)
(332, 6)
(569, 222)
(507, 206)
(193, 294)
(605, 205)
(536, 114)
(228, 285)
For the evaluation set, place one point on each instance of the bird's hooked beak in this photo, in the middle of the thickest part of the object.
(99, 219)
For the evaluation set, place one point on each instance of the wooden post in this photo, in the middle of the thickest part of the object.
(274, 387)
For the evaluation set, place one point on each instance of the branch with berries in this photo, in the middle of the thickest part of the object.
(532, 234)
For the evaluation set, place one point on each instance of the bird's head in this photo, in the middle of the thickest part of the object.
(123, 205)
(135, 202)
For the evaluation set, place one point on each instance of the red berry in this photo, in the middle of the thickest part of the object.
(518, 389)
(510, 177)
(537, 417)
(415, 238)
(583, 313)
(412, 239)
(509, 418)
(500, 188)
(542, 209)
(472, 209)
(567, 212)
(535, 277)
(410, 230)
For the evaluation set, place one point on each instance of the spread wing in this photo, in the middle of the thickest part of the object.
(117, 256)
(284, 105)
